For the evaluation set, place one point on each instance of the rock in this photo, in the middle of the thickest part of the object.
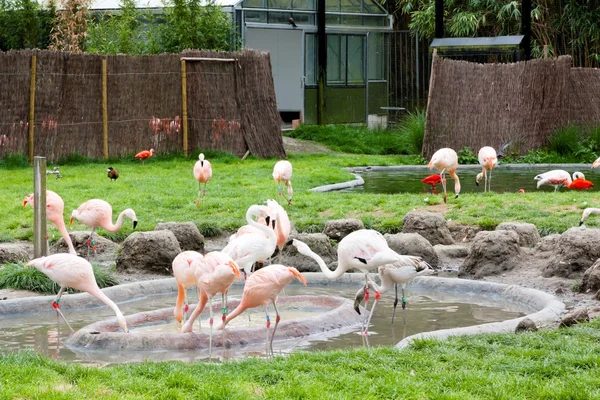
(597, 295)
(451, 256)
(105, 249)
(431, 226)
(575, 316)
(576, 251)
(14, 252)
(528, 233)
(148, 252)
(526, 325)
(591, 278)
(319, 243)
(548, 243)
(594, 312)
(463, 233)
(340, 228)
(412, 244)
(187, 233)
(492, 253)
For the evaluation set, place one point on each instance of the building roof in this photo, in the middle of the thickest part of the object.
(114, 4)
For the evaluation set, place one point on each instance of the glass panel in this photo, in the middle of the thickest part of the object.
(354, 6)
(280, 4)
(356, 60)
(303, 19)
(254, 4)
(332, 5)
(278, 18)
(304, 5)
(310, 67)
(336, 59)
(375, 21)
(256, 16)
(332, 19)
(377, 56)
(351, 20)
(370, 7)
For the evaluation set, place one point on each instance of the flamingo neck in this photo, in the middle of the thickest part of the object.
(60, 224)
(117, 226)
(104, 298)
(268, 231)
(331, 275)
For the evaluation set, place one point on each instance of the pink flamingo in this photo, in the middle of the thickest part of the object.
(202, 173)
(282, 172)
(263, 287)
(281, 224)
(55, 207)
(75, 272)
(596, 163)
(98, 213)
(556, 178)
(184, 272)
(446, 160)
(247, 249)
(586, 214)
(488, 160)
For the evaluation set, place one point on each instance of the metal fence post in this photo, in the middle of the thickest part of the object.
(39, 207)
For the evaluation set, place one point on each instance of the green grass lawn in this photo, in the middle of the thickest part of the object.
(164, 190)
(557, 364)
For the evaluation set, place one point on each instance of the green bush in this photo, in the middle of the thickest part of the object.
(412, 128)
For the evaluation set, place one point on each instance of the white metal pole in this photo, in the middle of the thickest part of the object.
(39, 207)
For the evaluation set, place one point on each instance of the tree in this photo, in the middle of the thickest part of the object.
(24, 24)
(70, 27)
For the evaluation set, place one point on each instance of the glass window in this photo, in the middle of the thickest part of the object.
(332, 5)
(332, 19)
(256, 16)
(310, 65)
(280, 4)
(336, 59)
(303, 19)
(377, 56)
(352, 20)
(356, 60)
(254, 4)
(304, 5)
(370, 7)
(353, 6)
(375, 21)
(278, 17)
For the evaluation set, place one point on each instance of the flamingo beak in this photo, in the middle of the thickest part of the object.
(236, 270)
(24, 203)
(71, 221)
(134, 224)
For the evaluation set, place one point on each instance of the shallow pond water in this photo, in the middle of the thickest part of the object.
(505, 178)
(425, 312)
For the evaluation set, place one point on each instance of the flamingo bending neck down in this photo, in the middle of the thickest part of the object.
(282, 173)
(247, 249)
(556, 178)
(98, 213)
(487, 159)
(75, 272)
(586, 214)
(55, 207)
(446, 160)
(184, 272)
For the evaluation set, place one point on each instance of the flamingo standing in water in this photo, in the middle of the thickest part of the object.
(55, 207)
(247, 249)
(364, 249)
(144, 154)
(184, 272)
(446, 160)
(263, 287)
(487, 159)
(587, 212)
(556, 178)
(282, 173)
(202, 173)
(432, 180)
(98, 213)
(393, 275)
(75, 272)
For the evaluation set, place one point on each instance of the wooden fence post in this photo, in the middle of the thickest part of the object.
(32, 105)
(184, 115)
(104, 109)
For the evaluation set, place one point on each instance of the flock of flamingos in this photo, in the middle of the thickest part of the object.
(267, 230)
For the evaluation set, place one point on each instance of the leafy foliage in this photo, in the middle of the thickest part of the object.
(466, 156)
(25, 24)
(70, 27)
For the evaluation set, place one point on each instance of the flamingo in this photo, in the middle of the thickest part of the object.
(214, 274)
(393, 275)
(98, 213)
(247, 249)
(69, 270)
(556, 178)
(202, 173)
(282, 172)
(113, 174)
(281, 224)
(184, 272)
(596, 163)
(263, 287)
(587, 212)
(446, 160)
(579, 182)
(55, 207)
(488, 160)
(144, 154)
(364, 249)
(432, 180)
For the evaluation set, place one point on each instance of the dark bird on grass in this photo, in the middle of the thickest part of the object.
(292, 22)
(113, 174)
(502, 149)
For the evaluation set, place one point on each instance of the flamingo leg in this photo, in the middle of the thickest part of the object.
(395, 302)
(277, 319)
(223, 314)
(404, 307)
(204, 191)
(268, 326)
(186, 306)
(210, 321)
(443, 174)
(56, 305)
(198, 197)
(366, 331)
(91, 243)
(485, 182)
(490, 182)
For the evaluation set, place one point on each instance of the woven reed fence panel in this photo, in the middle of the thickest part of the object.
(585, 95)
(475, 105)
(14, 102)
(144, 104)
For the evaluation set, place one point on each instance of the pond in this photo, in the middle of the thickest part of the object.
(425, 312)
(505, 178)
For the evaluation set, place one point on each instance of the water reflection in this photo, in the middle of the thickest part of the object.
(425, 312)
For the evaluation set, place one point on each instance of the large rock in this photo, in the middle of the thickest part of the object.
(576, 250)
(591, 278)
(463, 233)
(14, 252)
(148, 252)
(547, 243)
(431, 226)
(528, 233)
(574, 317)
(105, 249)
(492, 252)
(412, 244)
(338, 229)
(318, 243)
(450, 257)
(187, 233)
